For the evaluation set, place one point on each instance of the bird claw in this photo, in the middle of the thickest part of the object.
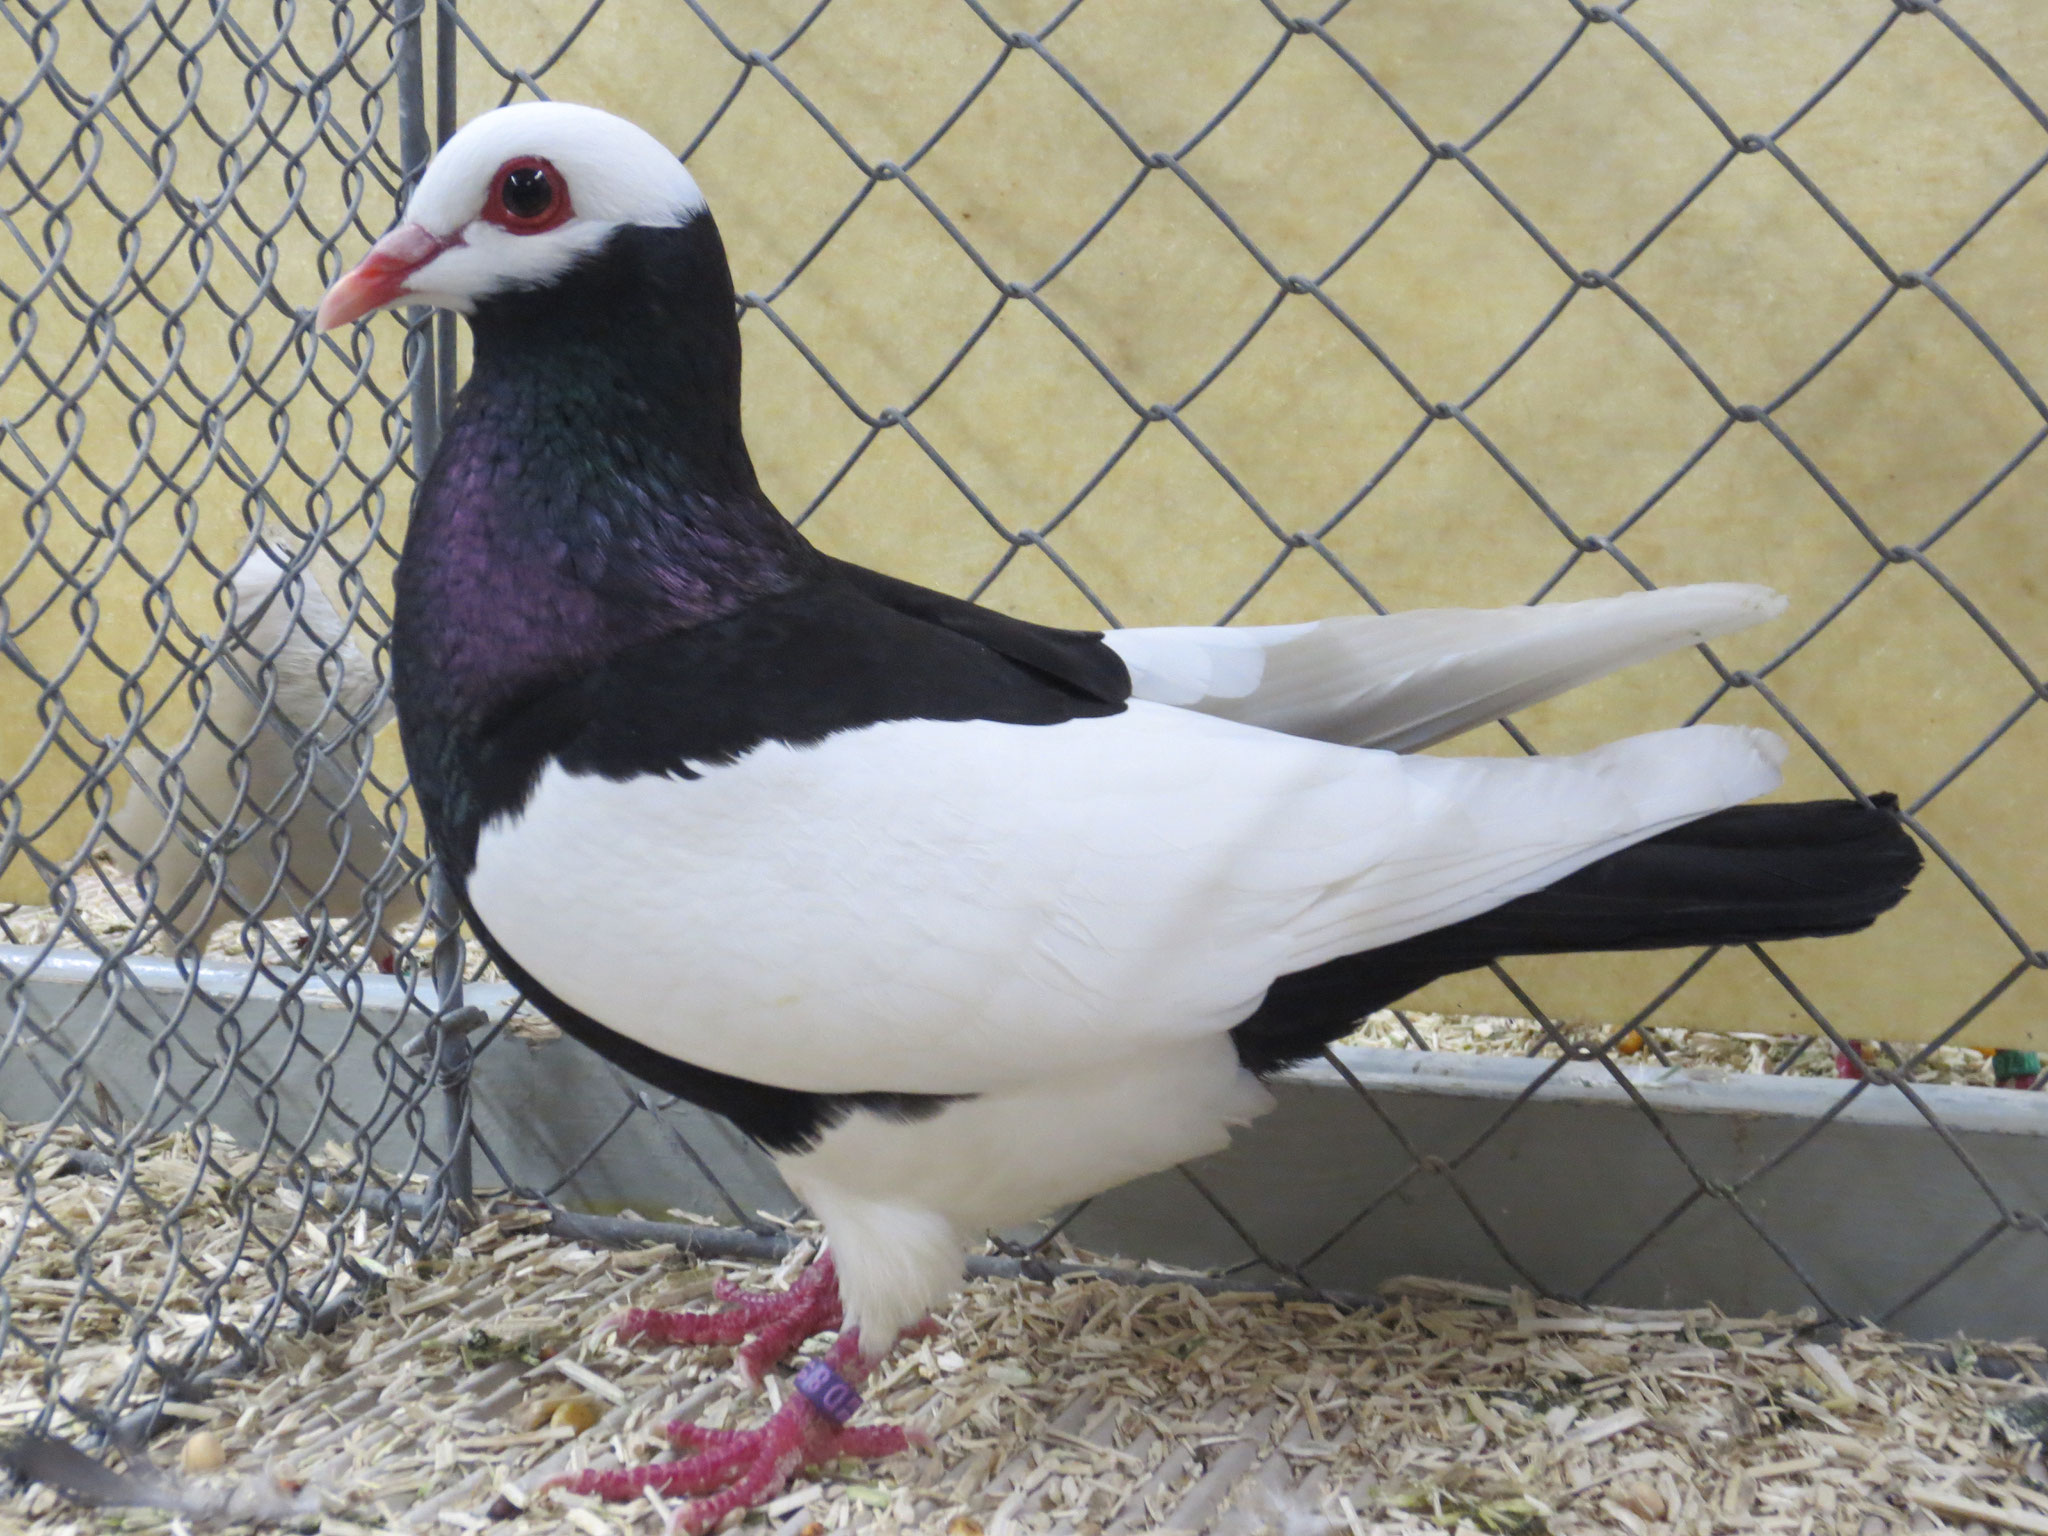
(768, 1326)
(722, 1470)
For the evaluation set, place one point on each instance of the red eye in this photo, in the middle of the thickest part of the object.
(528, 195)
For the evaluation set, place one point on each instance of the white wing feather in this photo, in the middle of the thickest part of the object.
(948, 907)
(1408, 680)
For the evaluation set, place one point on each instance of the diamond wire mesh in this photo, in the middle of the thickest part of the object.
(169, 426)
(310, 441)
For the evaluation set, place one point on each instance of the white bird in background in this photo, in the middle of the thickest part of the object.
(961, 917)
(261, 814)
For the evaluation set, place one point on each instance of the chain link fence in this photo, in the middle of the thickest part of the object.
(224, 938)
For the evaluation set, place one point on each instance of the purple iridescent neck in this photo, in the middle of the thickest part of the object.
(511, 600)
(593, 489)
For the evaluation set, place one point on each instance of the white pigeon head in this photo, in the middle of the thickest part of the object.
(514, 200)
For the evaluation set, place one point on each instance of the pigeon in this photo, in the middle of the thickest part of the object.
(259, 812)
(959, 916)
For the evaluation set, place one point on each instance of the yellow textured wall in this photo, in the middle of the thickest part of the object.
(1914, 145)
(140, 450)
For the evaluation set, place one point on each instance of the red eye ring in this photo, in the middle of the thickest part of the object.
(528, 196)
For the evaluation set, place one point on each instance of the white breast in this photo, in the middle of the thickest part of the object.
(901, 1201)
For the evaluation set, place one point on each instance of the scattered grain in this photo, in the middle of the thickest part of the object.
(203, 1452)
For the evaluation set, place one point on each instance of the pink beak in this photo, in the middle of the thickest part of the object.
(379, 278)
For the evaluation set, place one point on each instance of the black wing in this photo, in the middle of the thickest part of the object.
(847, 649)
(1074, 658)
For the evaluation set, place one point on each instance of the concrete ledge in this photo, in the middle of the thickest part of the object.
(1682, 1090)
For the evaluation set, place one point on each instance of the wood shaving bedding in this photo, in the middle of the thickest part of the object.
(1695, 1049)
(106, 909)
(1080, 1406)
(107, 905)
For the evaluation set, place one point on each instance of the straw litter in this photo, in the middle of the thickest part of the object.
(1081, 1406)
(1696, 1050)
(107, 906)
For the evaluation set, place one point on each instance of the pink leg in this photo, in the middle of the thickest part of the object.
(773, 1323)
(741, 1469)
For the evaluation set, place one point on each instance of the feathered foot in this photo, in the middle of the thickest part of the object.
(722, 1470)
(769, 1326)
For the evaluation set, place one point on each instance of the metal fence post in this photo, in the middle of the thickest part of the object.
(432, 368)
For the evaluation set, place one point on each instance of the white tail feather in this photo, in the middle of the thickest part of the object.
(1512, 825)
(1409, 680)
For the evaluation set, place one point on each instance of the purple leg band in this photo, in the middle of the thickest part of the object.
(826, 1390)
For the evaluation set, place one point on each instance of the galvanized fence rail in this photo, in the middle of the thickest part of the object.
(275, 146)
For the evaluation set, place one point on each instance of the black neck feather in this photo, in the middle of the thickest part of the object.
(645, 332)
(593, 491)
